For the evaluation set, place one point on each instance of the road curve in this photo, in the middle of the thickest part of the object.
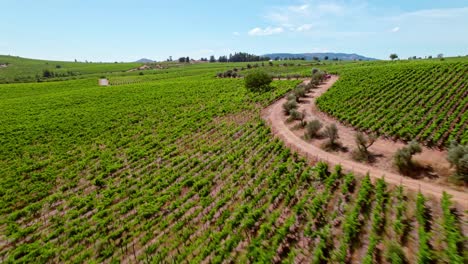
(273, 116)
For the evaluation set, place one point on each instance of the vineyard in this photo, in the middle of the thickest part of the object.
(177, 166)
(427, 101)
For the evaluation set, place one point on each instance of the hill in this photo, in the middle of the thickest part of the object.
(176, 165)
(19, 69)
(144, 60)
(321, 56)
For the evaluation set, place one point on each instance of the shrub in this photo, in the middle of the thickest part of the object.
(402, 158)
(289, 106)
(48, 73)
(296, 115)
(299, 92)
(313, 128)
(258, 81)
(331, 132)
(291, 97)
(363, 144)
(458, 157)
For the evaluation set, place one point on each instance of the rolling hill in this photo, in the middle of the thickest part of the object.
(31, 70)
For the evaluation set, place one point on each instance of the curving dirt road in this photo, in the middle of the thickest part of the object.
(274, 116)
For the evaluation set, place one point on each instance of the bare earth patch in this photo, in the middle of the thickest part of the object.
(432, 180)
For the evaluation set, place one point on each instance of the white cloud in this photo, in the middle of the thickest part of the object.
(395, 29)
(236, 33)
(436, 13)
(266, 31)
(303, 28)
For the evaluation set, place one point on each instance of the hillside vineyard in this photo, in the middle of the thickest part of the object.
(176, 165)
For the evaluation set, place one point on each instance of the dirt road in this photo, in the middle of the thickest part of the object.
(385, 148)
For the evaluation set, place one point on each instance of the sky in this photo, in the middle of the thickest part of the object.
(117, 30)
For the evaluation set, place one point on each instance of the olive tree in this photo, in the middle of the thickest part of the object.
(331, 132)
(313, 129)
(363, 143)
(403, 157)
(458, 157)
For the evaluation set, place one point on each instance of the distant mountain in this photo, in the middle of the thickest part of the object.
(321, 56)
(144, 60)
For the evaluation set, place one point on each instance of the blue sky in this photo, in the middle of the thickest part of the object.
(116, 30)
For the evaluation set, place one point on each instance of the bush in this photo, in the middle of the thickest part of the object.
(402, 158)
(289, 106)
(299, 92)
(331, 132)
(363, 144)
(292, 97)
(458, 157)
(313, 128)
(258, 81)
(296, 115)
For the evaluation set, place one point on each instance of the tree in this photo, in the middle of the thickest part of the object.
(363, 144)
(458, 157)
(258, 81)
(47, 73)
(299, 92)
(325, 58)
(331, 132)
(187, 60)
(212, 59)
(182, 59)
(440, 56)
(313, 128)
(403, 157)
(393, 56)
(289, 106)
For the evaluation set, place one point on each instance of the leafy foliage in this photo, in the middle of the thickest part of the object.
(257, 81)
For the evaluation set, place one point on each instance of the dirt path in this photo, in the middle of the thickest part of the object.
(382, 147)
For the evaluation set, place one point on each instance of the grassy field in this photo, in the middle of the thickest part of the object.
(176, 165)
(28, 70)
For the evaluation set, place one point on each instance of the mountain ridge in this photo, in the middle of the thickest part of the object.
(320, 56)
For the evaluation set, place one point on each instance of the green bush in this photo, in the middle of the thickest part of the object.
(458, 157)
(258, 81)
(289, 106)
(402, 158)
(313, 128)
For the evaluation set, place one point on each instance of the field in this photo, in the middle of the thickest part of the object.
(16, 69)
(176, 165)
